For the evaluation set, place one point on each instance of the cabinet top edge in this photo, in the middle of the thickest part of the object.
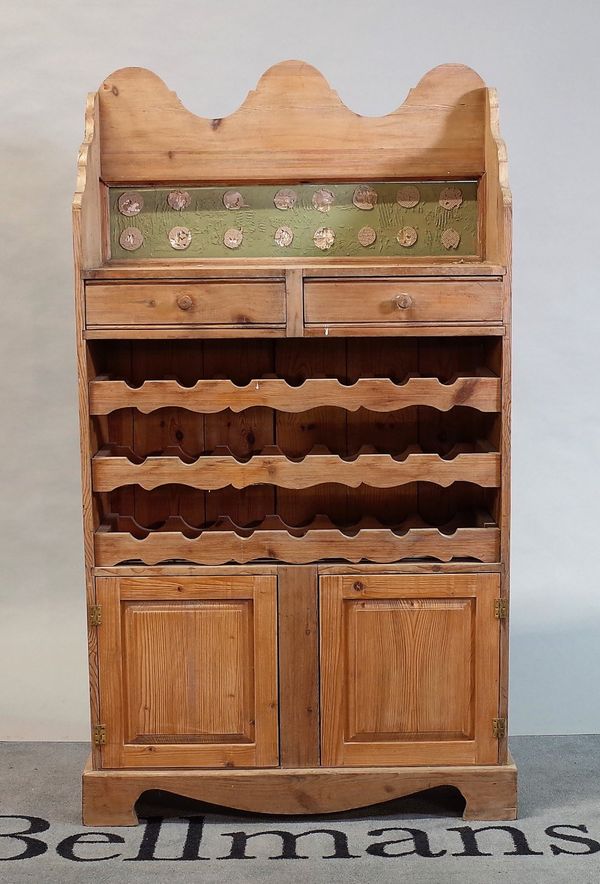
(217, 268)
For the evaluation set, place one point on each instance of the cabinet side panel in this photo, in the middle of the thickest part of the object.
(87, 217)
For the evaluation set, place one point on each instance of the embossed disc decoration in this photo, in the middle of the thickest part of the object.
(366, 236)
(131, 239)
(180, 237)
(407, 237)
(284, 236)
(233, 199)
(364, 197)
(408, 196)
(130, 203)
(324, 238)
(285, 198)
(450, 238)
(323, 200)
(179, 200)
(233, 237)
(279, 219)
(451, 198)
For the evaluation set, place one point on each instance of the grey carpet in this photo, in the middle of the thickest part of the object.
(559, 787)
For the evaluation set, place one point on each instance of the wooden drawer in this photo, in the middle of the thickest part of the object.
(387, 301)
(259, 302)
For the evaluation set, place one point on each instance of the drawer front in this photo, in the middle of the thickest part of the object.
(193, 303)
(391, 301)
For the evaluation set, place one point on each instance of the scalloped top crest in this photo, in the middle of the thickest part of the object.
(292, 126)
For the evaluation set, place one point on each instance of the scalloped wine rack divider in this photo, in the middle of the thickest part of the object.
(220, 468)
(294, 385)
(480, 391)
(124, 540)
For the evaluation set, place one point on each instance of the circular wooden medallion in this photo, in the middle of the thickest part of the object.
(323, 199)
(366, 236)
(450, 238)
(451, 198)
(285, 198)
(180, 237)
(131, 239)
(364, 197)
(284, 236)
(233, 199)
(407, 237)
(179, 200)
(324, 238)
(408, 196)
(233, 237)
(130, 203)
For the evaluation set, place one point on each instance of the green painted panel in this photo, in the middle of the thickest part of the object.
(442, 222)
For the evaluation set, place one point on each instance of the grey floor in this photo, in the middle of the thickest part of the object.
(556, 838)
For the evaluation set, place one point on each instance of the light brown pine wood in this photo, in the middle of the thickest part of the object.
(391, 301)
(380, 329)
(409, 669)
(216, 471)
(223, 268)
(243, 432)
(374, 394)
(188, 672)
(440, 127)
(87, 251)
(294, 292)
(372, 544)
(213, 303)
(210, 518)
(298, 633)
(489, 791)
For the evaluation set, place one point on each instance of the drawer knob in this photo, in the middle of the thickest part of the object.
(403, 301)
(184, 302)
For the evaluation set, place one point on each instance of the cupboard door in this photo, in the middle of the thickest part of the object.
(188, 671)
(409, 669)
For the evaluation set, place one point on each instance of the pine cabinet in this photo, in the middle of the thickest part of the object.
(293, 344)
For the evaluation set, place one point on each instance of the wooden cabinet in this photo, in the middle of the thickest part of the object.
(293, 345)
(188, 671)
(409, 669)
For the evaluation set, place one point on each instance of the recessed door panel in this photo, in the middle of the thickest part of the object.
(188, 671)
(409, 669)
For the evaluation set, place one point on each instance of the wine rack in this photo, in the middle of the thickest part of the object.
(294, 365)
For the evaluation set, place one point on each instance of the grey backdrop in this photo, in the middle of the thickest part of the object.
(543, 57)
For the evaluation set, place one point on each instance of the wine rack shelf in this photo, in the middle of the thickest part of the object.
(219, 469)
(480, 391)
(122, 540)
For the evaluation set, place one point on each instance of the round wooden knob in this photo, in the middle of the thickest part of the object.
(403, 301)
(184, 302)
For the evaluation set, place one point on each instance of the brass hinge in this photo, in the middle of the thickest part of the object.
(499, 727)
(501, 609)
(99, 734)
(95, 615)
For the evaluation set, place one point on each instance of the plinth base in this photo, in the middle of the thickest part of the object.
(109, 796)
